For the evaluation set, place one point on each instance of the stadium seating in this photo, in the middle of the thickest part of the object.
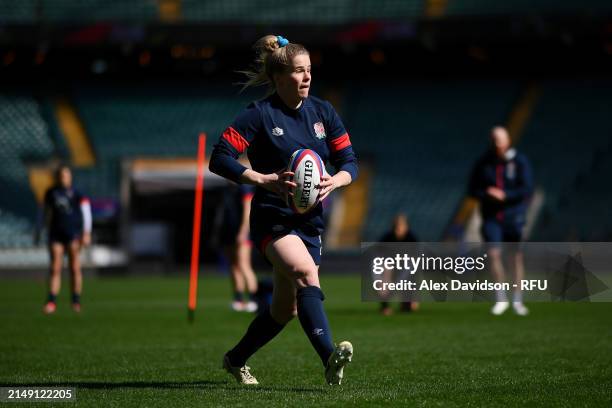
(275, 11)
(24, 11)
(487, 7)
(314, 12)
(262, 11)
(146, 121)
(424, 139)
(18, 11)
(23, 136)
(103, 10)
(568, 144)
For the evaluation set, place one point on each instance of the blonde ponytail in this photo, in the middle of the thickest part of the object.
(273, 54)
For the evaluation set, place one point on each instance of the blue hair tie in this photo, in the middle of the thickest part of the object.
(282, 41)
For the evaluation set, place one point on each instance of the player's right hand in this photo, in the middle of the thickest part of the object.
(279, 183)
(496, 193)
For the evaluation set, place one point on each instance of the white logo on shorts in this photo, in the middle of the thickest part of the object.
(317, 332)
(278, 131)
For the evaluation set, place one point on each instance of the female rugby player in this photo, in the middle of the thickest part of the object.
(270, 130)
(68, 221)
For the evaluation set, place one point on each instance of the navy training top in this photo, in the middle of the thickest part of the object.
(513, 175)
(269, 131)
(64, 205)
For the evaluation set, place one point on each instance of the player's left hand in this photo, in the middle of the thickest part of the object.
(86, 239)
(496, 193)
(327, 185)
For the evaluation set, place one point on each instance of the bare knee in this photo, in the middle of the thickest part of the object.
(244, 265)
(76, 272)
(56, 266)
(236, 271)
(305, 274)
(56, 271)
(495, 253)
(75, 267)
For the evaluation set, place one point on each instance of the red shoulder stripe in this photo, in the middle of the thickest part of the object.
(340, 143)
(235, 139)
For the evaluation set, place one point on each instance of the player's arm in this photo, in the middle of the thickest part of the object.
(224, 162)
(330, 183)
(342, 155)
(234, 141)
(87, 220)
(224, 158)
(525, 184)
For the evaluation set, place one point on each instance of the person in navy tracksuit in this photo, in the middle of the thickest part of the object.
(503, 183)
(270, 130)
(68, 220)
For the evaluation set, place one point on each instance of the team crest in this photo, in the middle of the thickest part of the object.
(319, 130)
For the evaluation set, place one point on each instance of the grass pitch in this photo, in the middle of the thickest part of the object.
(132, 346)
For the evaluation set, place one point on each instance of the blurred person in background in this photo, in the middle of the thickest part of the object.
(400, 232)
(238, 245)
(502, 182)
(67, 216)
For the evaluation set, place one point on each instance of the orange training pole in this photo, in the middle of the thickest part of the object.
(197, 221)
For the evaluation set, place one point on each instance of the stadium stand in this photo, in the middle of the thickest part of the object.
(146, 121)
(18, 11)
(24, 138)
(487, 7)
(68, 10)
(317, 12)
(27, 11)
(568, 140)
(424, 141)
(262, 11)
(276, 11)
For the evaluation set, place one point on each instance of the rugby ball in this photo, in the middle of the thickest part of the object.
(308, 168)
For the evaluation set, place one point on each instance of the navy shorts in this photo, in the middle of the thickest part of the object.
(494, 231)
(264, 231)
(63, 237)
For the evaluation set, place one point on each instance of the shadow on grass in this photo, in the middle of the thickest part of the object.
(287, 389)
(205, 384)
(120, 384)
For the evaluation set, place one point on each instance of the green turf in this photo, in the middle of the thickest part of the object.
(132, 346)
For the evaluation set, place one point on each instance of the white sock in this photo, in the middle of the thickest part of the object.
(518, 297)
(500, 295)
